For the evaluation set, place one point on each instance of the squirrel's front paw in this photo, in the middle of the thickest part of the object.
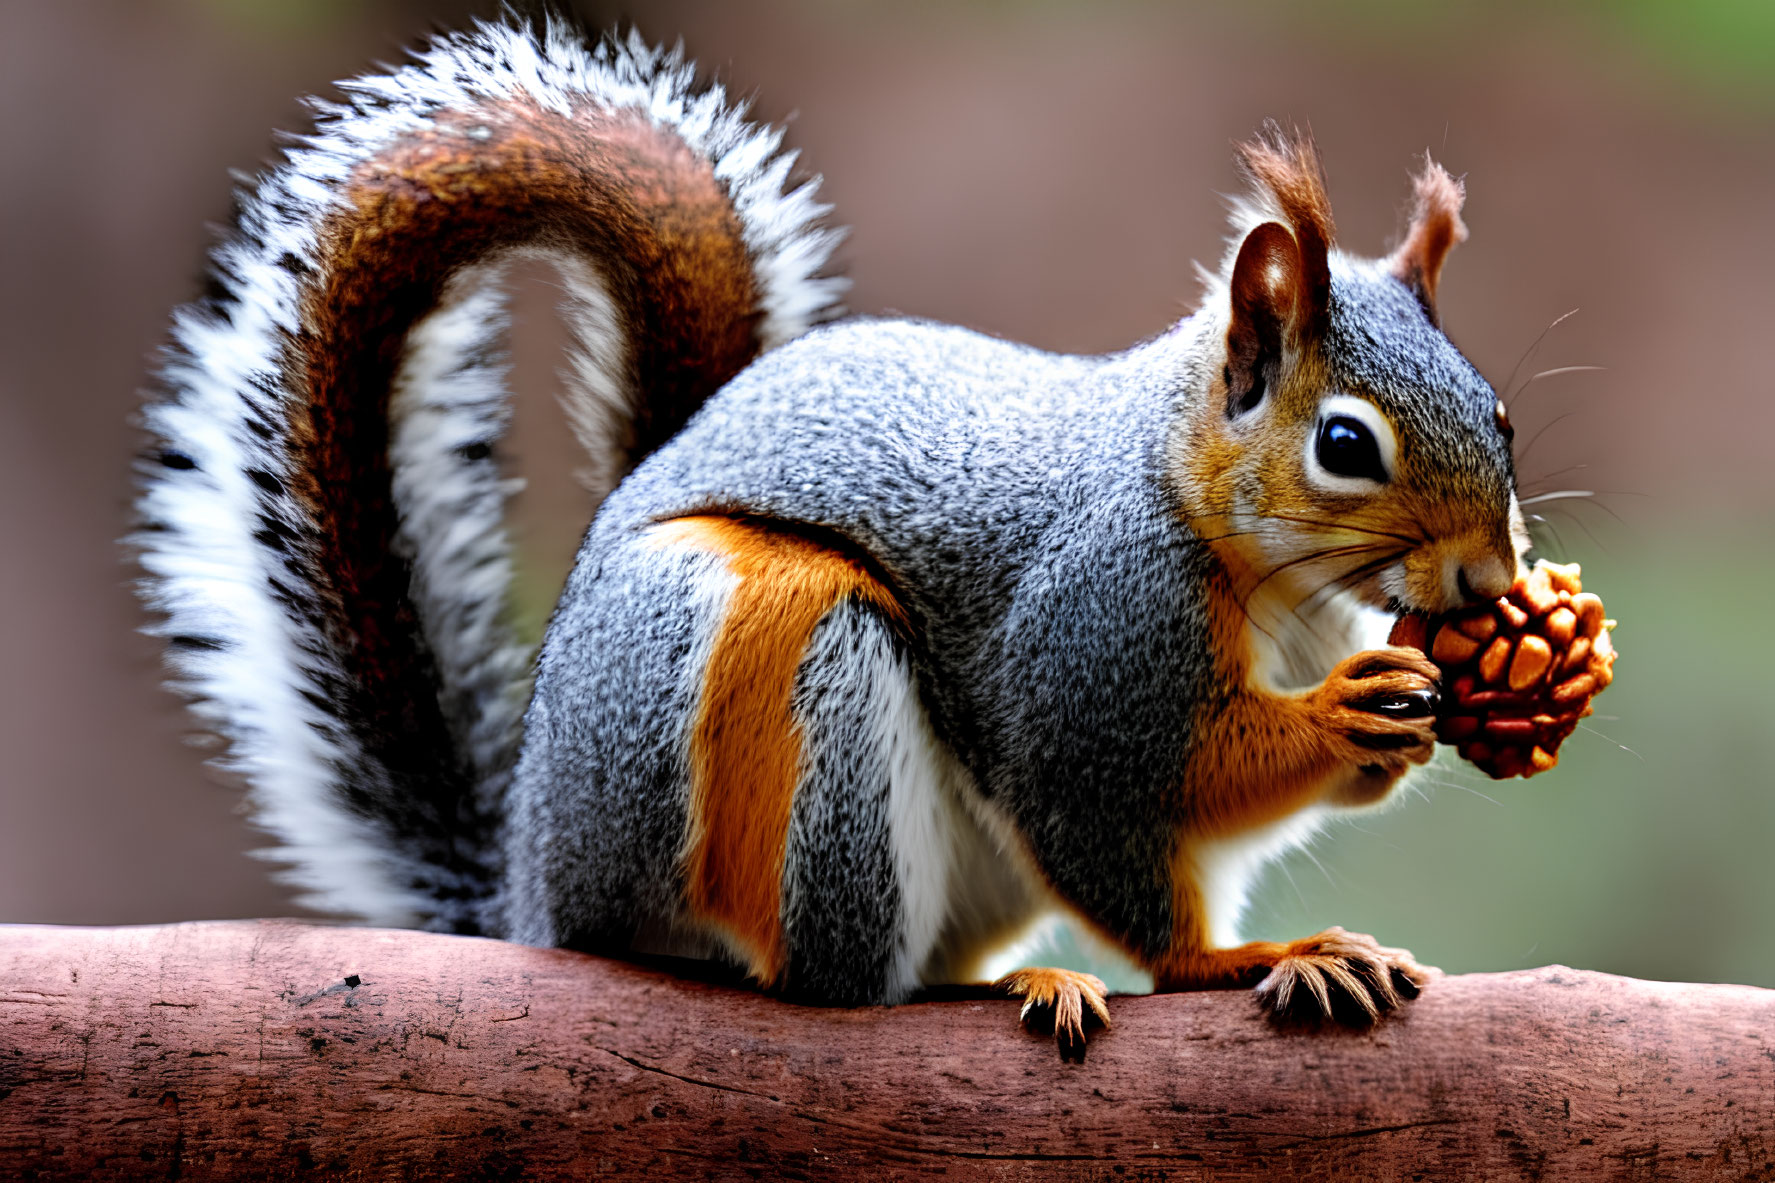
(1059, 997)
(1340, 975)
(1381, 707)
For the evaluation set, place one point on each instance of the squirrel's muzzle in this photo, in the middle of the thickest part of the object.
(1450, 573)
(1483, 578)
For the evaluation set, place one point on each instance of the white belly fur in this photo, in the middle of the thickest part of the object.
(1292, 653)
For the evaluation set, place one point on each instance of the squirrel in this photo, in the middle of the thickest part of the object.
(889, 636)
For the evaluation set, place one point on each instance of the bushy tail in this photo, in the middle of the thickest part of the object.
(323, 518)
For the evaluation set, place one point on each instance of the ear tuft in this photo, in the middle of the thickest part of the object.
(1288, 186)
(1436, 227)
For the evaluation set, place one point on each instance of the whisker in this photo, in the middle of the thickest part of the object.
(1577, 521)
(1595, 497)
(1200, 537)
(1405, 538)
(1351, 578)
(1450, 784)
(1530, 352)
(1315, 522)
(1606, 508)
(1244, 605)
(1557, 495)
(1328, 553)
(1322, 554)
(1289, 875)
(1295, 609)
(1599, 494)
(1558, 538)
(1228, 534)
(1556, 371)
(1376, 835)
(1545, 428)
(1323, 870)
(1548, 477)
(1245, 611)
(1616, 742)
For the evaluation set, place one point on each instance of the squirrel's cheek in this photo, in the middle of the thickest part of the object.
(1429, 582)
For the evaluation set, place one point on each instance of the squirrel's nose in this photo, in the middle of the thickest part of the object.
(1484, 579)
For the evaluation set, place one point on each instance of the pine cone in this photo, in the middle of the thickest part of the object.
(1518, 673)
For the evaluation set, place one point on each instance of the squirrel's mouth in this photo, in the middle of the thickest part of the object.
(1445, 575)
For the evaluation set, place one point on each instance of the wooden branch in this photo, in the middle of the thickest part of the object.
(274, 1048)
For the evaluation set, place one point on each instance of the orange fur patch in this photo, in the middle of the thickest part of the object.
(1260, 756)
(745, 747)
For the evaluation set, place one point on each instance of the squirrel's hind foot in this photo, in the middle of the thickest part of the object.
(1063, 1000)
(1345, 976)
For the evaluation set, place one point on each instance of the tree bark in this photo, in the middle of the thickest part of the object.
(271, 1049)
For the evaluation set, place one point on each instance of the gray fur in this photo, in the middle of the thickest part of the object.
(597, 810)
(1381, 344)
(841, 916)
(1017, 502)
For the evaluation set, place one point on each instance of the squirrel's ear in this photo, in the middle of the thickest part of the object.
(1436, 227)
(1288, 186)
(1266, 291)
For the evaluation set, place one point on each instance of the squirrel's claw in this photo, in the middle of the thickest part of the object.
(1340, 975)
(1060, 997)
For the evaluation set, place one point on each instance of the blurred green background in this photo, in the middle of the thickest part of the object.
(1047, 170)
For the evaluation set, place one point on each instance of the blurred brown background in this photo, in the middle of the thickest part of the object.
(1047, 171)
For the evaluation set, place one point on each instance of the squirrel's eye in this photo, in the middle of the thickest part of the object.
(1346, 447)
